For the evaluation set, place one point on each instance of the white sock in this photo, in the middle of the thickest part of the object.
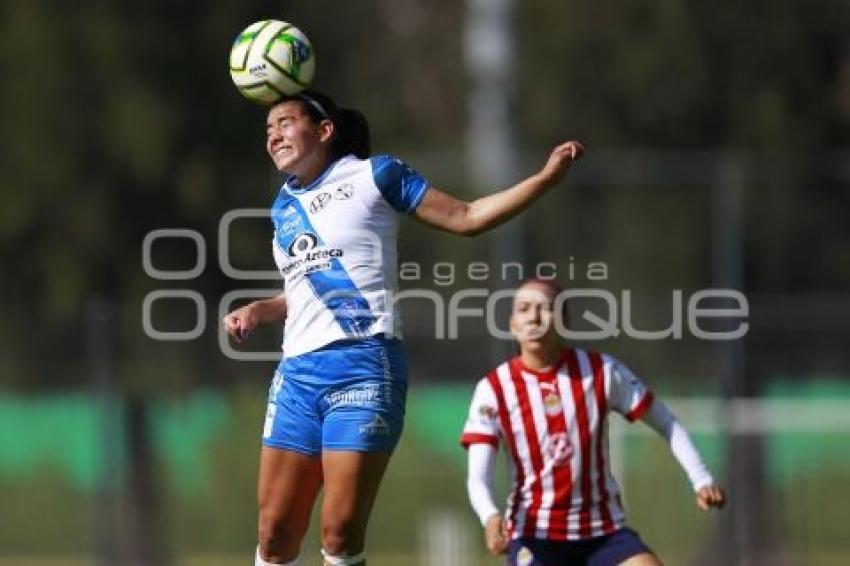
(258, 561)
(343, 560)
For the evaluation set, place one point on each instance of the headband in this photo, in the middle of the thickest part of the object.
(315, 104)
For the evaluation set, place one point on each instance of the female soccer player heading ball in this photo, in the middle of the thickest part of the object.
(336, 402)
(549, 406)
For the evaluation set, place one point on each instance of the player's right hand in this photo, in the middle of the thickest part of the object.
(495, 535)
(241, 322)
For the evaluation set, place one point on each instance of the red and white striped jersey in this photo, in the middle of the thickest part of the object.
(553, 425)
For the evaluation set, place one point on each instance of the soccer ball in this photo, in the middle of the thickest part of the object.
(271, 59)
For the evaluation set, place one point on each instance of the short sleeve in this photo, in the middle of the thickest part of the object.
(627, 394)
(482, 423)
(401, 185)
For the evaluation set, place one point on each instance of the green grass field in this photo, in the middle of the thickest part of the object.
(206, 459)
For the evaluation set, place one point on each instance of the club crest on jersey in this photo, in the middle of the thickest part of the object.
(344, 191)
(319, 202)
(552, 404)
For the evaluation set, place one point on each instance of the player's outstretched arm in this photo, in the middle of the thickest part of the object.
(445, 212)
(242, 321)
(663, 421)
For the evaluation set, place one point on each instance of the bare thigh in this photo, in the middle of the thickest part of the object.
(642, 559)
(288, 485)
(351, 485)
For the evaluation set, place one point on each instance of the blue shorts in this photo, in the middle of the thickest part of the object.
(607, 550)
(348, 395)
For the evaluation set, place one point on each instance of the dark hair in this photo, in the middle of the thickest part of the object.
(350, 126)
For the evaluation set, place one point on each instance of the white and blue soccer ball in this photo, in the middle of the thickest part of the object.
(271, 59)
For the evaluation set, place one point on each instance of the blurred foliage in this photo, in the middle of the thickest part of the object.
(119, 118)
(768, 74)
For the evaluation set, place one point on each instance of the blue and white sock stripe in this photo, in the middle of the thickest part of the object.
(333, 287)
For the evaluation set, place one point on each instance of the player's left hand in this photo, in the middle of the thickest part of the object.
(711, 496)
(560, 160)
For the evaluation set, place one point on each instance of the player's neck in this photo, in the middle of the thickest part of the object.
(309, 169)
(541, 358)
(309, 175)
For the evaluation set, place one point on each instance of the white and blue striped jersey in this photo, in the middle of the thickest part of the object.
(335, 244)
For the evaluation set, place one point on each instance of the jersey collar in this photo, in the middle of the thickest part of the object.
(293, 185)
(547, 374)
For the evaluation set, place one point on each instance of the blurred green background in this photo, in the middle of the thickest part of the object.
(717, 139)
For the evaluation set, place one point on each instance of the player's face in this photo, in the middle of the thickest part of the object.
(296, 144)
(533, 315)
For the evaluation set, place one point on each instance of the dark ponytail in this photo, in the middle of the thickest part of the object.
(351, 127)
(352, 134)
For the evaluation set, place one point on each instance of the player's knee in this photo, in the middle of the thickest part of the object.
(342, 537)
(277, 538)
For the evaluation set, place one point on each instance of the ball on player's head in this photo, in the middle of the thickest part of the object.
(271, 59)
